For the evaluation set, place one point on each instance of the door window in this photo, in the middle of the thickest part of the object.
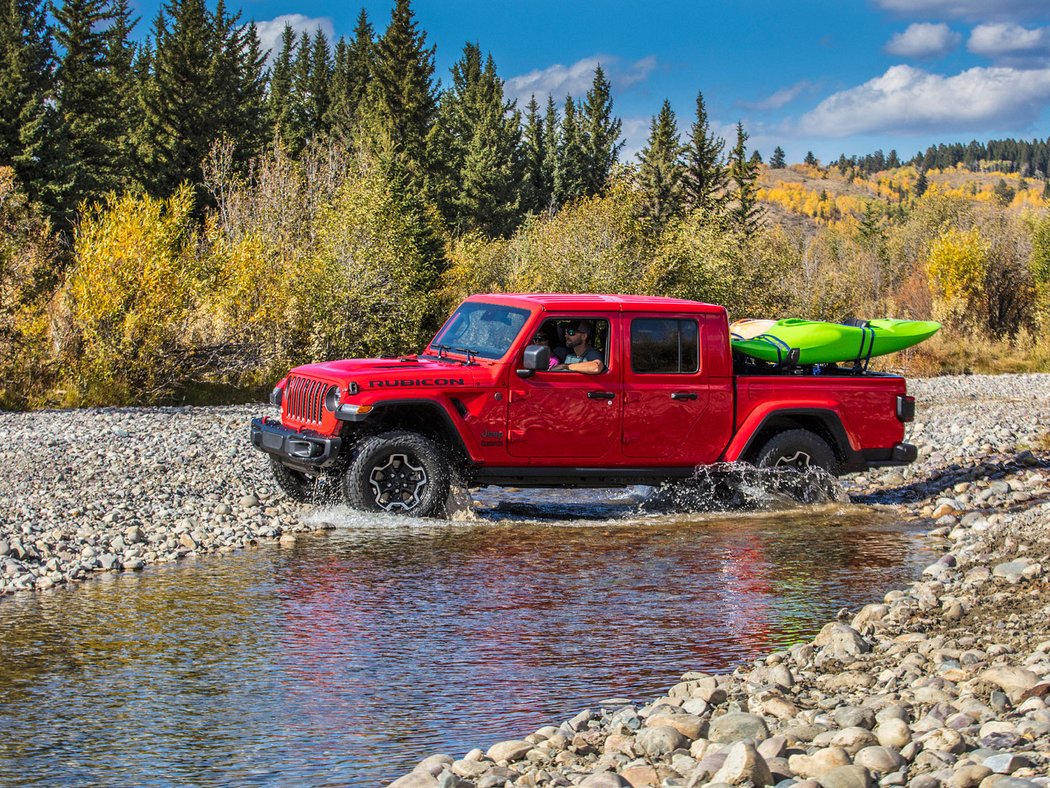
(662, 346)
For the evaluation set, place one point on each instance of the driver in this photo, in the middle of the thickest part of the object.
(578, 355)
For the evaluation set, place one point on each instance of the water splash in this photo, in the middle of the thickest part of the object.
(735, 486)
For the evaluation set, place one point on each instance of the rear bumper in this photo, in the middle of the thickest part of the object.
(901, 454)
(303, 449)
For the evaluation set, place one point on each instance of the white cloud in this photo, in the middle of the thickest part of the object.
(270, 32)
(966, 9)
(1010, 43)
(778, 99)
(907, 99)
(559, 80)
(924, 40)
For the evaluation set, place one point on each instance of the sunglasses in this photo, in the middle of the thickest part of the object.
(536, 340)
(571, 332)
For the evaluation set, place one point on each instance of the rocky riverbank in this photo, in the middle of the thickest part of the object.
(946, 682)
(88, 491)
(943, 683)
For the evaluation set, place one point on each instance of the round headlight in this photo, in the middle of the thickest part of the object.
(332, 399)
(276, 396)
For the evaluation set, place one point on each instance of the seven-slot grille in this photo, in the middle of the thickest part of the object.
(304, 399)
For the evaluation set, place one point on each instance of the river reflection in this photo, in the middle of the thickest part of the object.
(349, 657)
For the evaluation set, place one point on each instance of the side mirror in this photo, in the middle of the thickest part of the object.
(536, 357)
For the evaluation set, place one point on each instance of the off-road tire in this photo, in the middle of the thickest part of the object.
(398, 472)
(297, 485)
(797, 449)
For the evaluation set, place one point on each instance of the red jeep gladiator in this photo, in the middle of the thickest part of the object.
(655, 393)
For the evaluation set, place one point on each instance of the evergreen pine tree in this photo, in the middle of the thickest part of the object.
(88, 158)
(570, 177)
(205, 83)
(353, 66)
(313, 90)
(661, 171)
(279, 97)
(756, 157)
(473, 146)
(401, 101)
(921, 184)
(1046, 189)
(551, 151)
(776, 161)
(26, 80)
(600, 132)
(746, 213)
(121, 56)
(537, 189)
(705, 177)
(810, 159)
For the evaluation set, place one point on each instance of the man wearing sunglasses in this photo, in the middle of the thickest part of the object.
(578, 355)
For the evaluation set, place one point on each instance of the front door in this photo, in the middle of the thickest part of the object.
(567, 414)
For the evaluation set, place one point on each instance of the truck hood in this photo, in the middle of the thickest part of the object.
(408, 371)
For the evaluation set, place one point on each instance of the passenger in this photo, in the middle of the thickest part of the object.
(578, 355)
(543, 337)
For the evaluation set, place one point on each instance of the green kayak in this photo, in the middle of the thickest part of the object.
(830, 343)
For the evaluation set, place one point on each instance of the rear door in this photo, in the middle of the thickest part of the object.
(555, 415)
(665, 389)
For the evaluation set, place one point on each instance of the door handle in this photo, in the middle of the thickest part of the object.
(600, 394)
(683, 395)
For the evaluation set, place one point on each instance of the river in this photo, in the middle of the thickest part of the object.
(347, 658)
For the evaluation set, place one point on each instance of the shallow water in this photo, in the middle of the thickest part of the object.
(347, 658)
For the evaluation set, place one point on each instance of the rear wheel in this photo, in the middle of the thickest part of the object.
(794, 456)
(797, 449)
(399, 472)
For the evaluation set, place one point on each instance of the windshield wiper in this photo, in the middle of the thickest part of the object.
(444, 350)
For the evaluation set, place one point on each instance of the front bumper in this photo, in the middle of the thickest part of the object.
(303, 449)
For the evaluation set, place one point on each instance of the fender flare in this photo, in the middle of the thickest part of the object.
(746, 439)
(440, 410)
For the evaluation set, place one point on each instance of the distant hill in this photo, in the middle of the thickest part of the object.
(803, 195)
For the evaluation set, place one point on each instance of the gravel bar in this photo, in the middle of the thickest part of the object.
(943, 683)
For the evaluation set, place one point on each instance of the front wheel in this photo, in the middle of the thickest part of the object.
(400, 472)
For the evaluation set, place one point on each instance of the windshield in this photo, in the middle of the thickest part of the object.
(485, 330)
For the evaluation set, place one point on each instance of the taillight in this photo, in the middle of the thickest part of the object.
(905, 407)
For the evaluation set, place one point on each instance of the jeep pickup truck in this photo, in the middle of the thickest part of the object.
(481, 405)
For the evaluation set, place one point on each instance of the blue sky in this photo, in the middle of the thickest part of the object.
(832, 77)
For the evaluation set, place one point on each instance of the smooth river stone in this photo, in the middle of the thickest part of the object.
(893, 733)
(846, 777)
(604, 780)
(736, 726)
(819, 763)
(660, 740)
(689, 725)
(743, 764)
(883, 760)
(1012, 681)
(853, 740)
(511, 750)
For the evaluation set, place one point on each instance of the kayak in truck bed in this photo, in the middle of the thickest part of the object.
(827, 343)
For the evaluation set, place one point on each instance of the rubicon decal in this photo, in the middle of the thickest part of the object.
(387, 384)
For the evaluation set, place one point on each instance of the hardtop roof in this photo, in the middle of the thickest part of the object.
(595, 301)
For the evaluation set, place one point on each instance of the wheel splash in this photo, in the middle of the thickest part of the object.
(741, 486)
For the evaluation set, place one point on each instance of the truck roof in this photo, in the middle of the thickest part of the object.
(595, 301)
